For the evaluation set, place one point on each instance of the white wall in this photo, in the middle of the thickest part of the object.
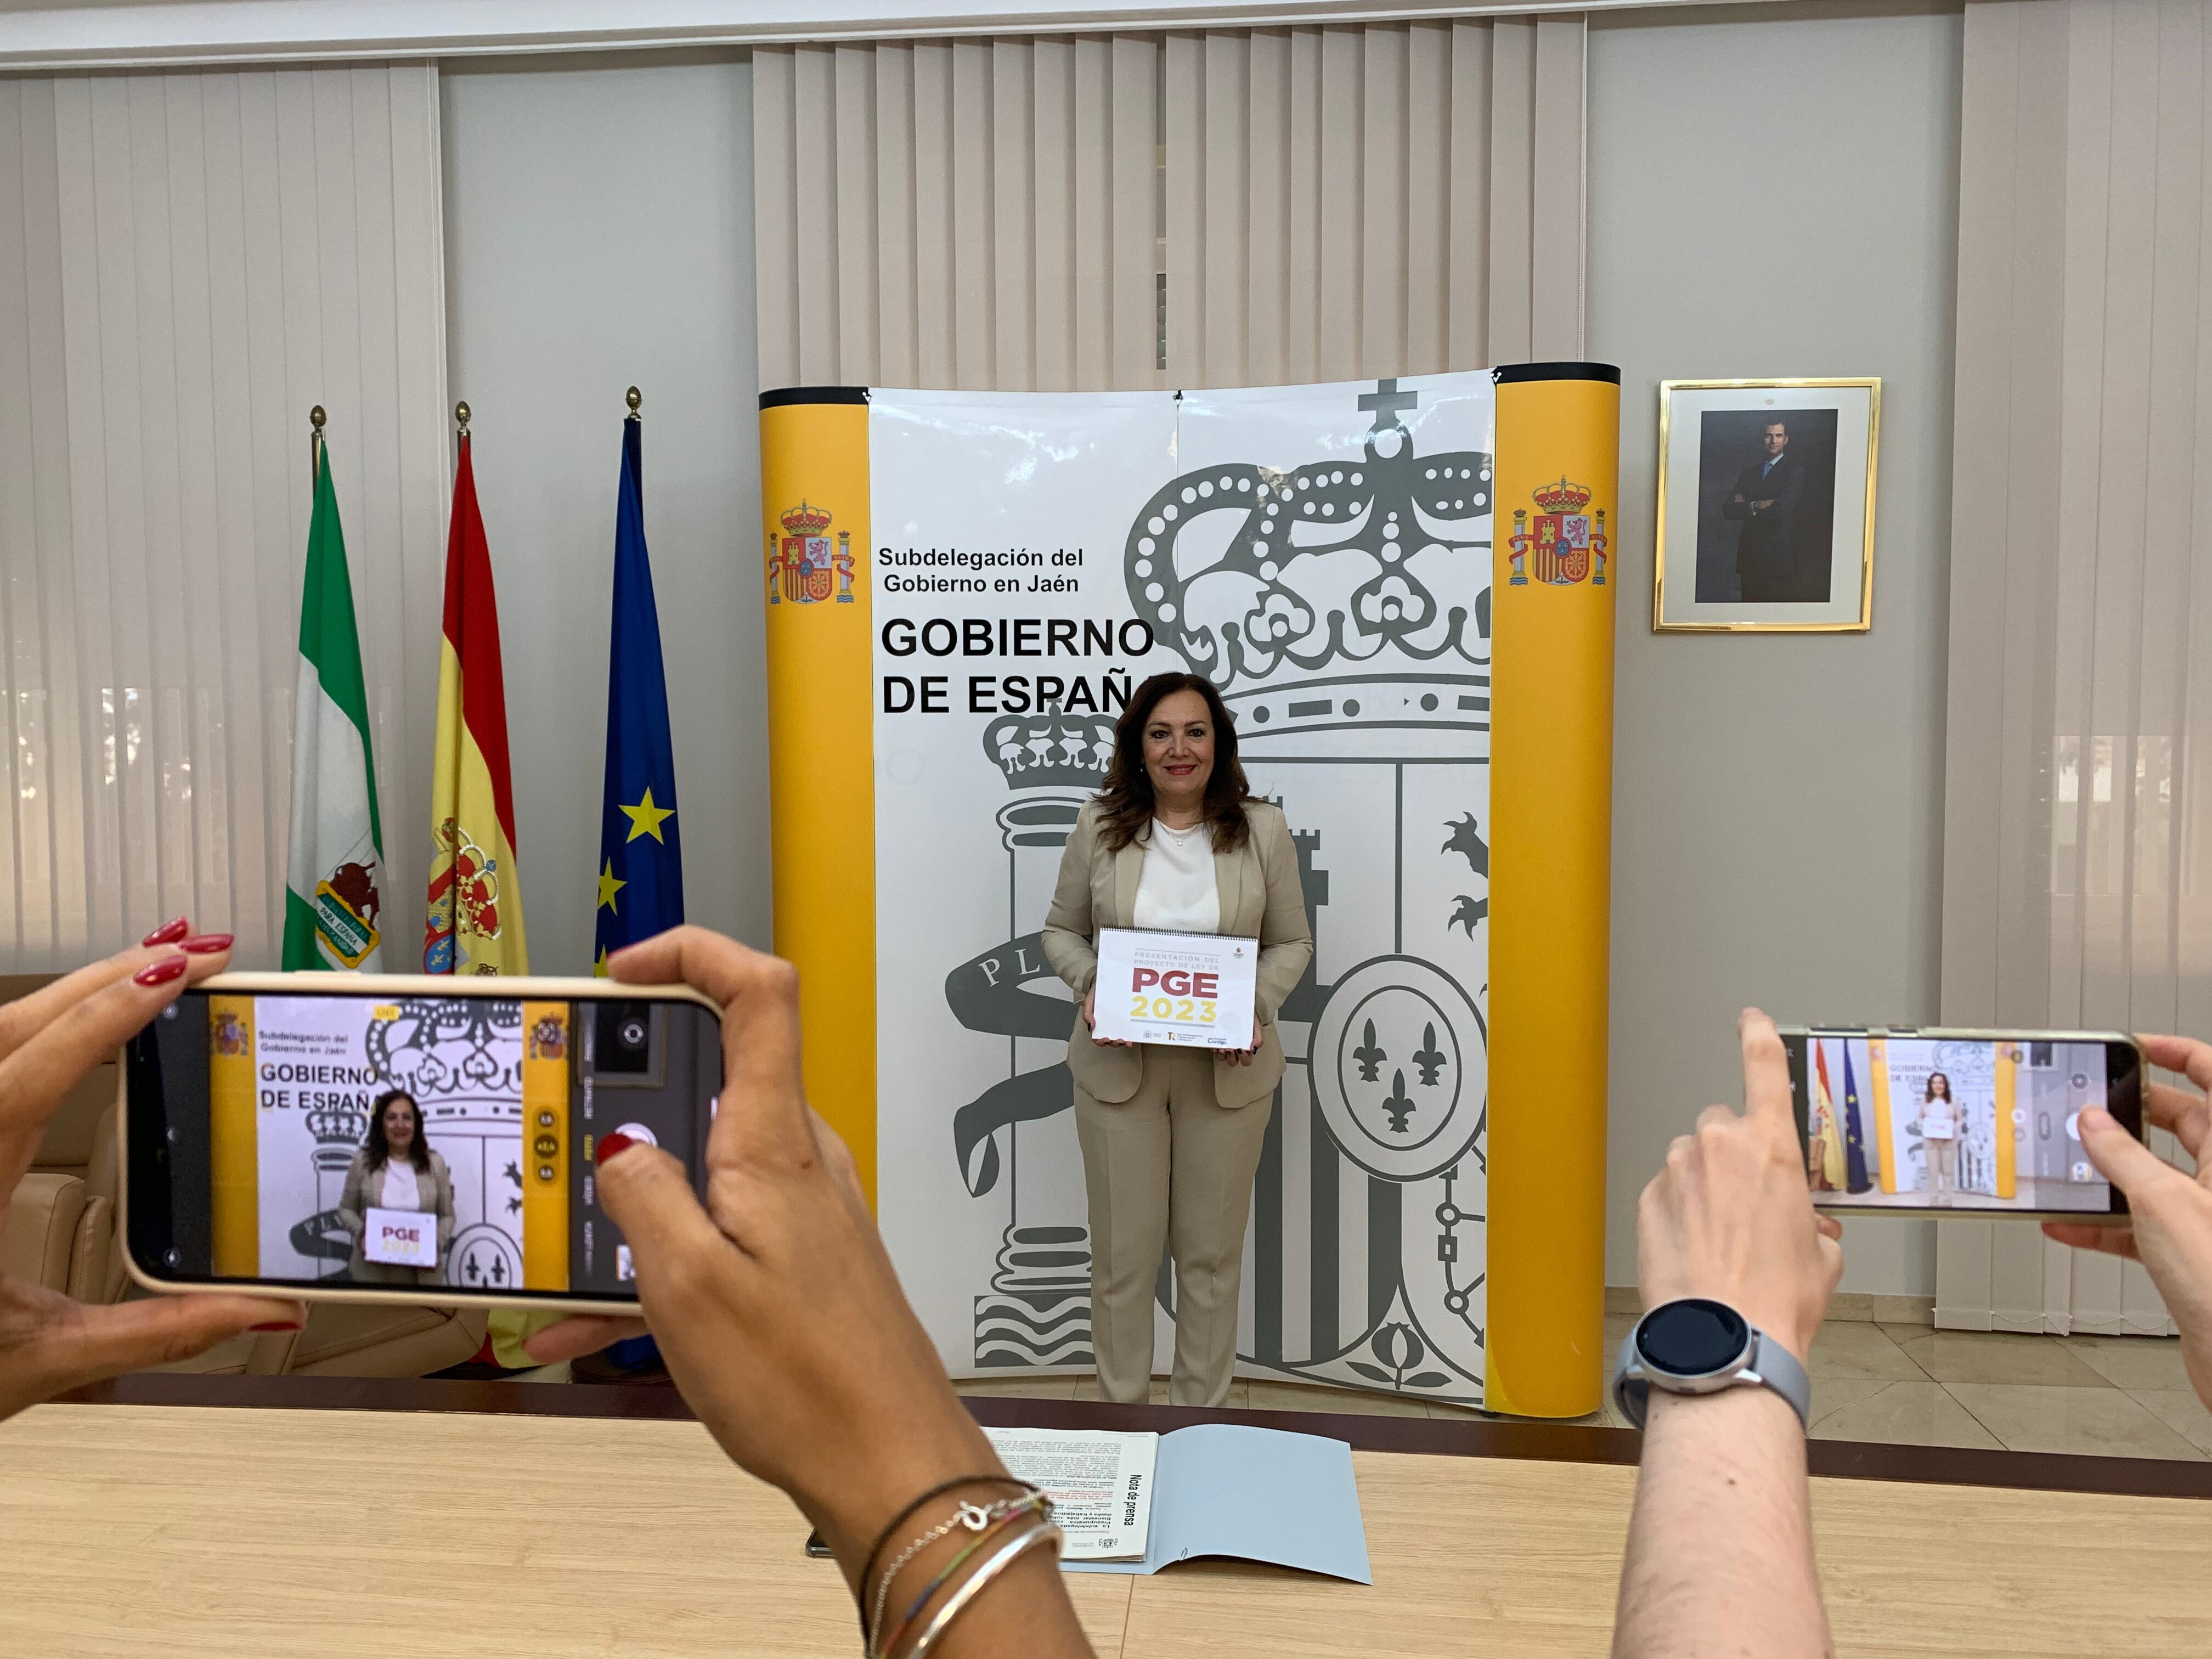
(1773, 193)
(598, 234)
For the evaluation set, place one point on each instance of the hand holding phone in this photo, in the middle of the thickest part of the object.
(49, 1042)
(1727, 1218)
(2169, 1228)
(773, 1301)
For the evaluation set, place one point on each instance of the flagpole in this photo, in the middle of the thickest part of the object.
(315, 418)
(461, 420)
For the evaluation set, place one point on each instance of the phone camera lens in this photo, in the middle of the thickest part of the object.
(625, 1039)
(173, 1258)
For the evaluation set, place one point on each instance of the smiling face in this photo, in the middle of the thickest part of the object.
(400, 1127)
(1179, 752)
(1939, 1086)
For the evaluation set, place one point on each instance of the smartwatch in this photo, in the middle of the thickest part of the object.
(1698, 1347)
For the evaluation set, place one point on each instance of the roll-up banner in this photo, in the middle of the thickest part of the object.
(1403, 590)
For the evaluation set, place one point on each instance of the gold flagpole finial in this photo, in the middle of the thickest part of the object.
(461, 414)
(315, 418)
(632, 398)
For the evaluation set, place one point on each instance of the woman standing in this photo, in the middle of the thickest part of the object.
(1940, 1128)
(396, 1170)
(1171, 1137)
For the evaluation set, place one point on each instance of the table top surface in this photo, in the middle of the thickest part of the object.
(342, 1521)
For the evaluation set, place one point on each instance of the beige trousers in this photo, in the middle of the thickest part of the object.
(1168, 1165)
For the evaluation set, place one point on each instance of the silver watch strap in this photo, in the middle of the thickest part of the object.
(1768, 1365)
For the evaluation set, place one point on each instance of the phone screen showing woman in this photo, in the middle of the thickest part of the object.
(333, 1138)
(1946, 1122)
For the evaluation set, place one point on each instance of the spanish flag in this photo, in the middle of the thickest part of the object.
(476, 896)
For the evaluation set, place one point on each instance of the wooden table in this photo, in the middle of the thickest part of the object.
(301, 1524)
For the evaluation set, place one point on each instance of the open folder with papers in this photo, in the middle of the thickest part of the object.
(1134, 1503)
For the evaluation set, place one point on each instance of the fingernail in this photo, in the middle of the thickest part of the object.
(277, 1325)
(169, 932)
(205, 944)
(612, 1144)
(161, 972)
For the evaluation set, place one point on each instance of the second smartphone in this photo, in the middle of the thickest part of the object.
(419, 1140)
(1967, 1120)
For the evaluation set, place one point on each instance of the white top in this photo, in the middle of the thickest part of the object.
(401, 1191)
(1177, 892)
(1939, 1121)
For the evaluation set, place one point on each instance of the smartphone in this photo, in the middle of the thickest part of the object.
(1942, 1121)
(351, 1137)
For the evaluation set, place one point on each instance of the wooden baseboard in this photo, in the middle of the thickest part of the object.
(1856, 1305)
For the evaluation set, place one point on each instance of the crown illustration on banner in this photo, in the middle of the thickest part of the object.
(1051, 747)
(805, 520)
(1562, 497)
(1378, 563)
(461, 1048)
(337, 1126)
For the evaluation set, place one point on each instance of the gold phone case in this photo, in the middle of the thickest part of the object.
(1967, 1033)
(527, 988)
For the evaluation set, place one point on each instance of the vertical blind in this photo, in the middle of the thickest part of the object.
(188, 262)
(1227, 207)
(2077, 887)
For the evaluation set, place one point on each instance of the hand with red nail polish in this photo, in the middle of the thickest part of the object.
(49, 1040)
(169, 932)
(777, 1308)
(204, 944)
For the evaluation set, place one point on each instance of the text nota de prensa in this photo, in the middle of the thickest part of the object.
(1011, 636)
(1048, 572)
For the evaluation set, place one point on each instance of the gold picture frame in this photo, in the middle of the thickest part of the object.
(1851, 511)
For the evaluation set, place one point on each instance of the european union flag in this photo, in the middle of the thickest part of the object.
(641, 848)
(1856, 1178)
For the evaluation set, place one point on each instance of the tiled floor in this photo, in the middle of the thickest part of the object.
(2119, 1397)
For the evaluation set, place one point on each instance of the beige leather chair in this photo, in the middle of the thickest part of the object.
(62, 1232)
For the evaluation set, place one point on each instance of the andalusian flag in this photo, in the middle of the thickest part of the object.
(332, 899)
(476, 893)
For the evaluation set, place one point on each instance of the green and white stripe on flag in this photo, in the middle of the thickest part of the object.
(337, 864)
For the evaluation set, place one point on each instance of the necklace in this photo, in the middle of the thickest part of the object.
(1179, 836)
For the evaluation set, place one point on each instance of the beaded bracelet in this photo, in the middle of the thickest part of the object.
(868, 1566)
(1044, 1532)
(1037, 1503)
(973, 1516)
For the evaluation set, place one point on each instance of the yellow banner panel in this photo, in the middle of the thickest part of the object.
(1884, 1140)
(547, 1029)
(234, 1139)
(814, 495)
(1552, 614)
(2006, 1133)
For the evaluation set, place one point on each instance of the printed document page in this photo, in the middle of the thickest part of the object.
(1101, 1486)
(1188, 989)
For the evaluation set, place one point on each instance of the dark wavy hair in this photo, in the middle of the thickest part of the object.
(1126, 803)
(1930, 1095)
(379, 1150)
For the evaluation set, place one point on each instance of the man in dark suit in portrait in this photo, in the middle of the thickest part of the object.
(1765, 499)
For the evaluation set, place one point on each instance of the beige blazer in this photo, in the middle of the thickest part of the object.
(364, 1191)
(1261, 897)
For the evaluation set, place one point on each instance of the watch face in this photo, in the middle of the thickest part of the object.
(1693, 1338)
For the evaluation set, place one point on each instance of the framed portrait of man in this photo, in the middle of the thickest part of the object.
(1765, 513)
